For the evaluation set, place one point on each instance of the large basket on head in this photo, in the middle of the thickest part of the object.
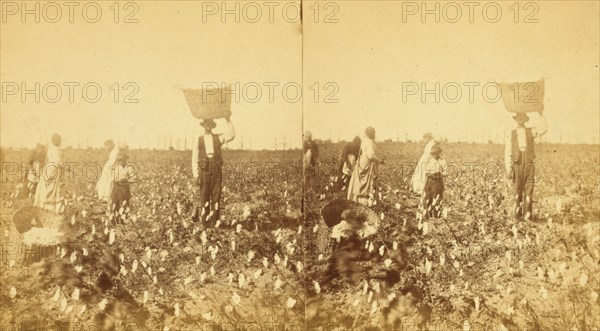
(523, 97)
(209, 103)
(337, 210)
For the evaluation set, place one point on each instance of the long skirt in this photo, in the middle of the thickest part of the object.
(418, 178)
(105, 183)
(363, 183)
(48, 190)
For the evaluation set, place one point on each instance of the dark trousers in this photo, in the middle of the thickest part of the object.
(432, 195)
(120, 196)
(210, 190)
(523, 180)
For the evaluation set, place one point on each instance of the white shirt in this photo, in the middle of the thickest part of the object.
(432, 166)
(53, 154)
(368, 152)
(538, 130)
(209, 145)
(522, 139)
(121, 173)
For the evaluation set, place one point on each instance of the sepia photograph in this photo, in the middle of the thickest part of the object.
(151, 168)
(454, 184)
(300, 165)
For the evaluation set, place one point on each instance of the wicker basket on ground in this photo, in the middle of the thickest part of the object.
(335, 212)
(40, 233)
(27, 217)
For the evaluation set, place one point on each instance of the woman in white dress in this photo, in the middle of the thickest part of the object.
(363, 182)
(48, 191)
(419, 178)
(105, 183)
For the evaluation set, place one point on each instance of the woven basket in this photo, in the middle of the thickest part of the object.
(523, 97)
(206, 104)
(27, 217)
(331, 215)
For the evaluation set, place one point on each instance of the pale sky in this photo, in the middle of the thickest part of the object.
(169, 47)
(370, 52)
(366, 56)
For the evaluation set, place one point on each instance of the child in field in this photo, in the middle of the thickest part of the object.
(34, 168)
(122, 176)
(435, 169)
(347, 162)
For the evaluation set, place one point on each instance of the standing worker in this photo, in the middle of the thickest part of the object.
(519, 155)
(104, 184)
(347, 162)
(122, 176)
(207, 165)
(435, 170)
(418, 178)
(48, 191)
(363, 183)
(310, 163)
(34, 168)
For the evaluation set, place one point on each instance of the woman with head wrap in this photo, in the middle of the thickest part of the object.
(48, 191)
(363, 182)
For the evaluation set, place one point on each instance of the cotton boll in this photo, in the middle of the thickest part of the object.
(290, 303)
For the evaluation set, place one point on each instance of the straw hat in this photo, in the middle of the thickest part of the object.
(208, 124)
(521, 117)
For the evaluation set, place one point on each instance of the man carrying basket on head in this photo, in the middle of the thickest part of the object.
(207, 165)
(519, 154)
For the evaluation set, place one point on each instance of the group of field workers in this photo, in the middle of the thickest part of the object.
(357, 178)
(357, 172)
(46, 169)
(113, 187)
